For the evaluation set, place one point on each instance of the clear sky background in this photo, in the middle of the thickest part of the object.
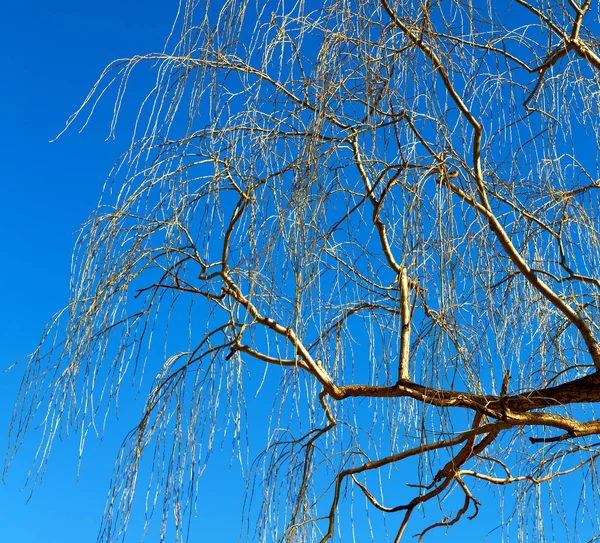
(52, 53)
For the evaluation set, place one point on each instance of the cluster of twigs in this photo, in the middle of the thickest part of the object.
(392, 206)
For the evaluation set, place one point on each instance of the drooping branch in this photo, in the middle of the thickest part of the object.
(287, 217)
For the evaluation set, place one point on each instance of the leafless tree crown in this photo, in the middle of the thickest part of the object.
(381, 215)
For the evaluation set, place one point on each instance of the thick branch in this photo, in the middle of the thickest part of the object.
(403, 373)
(583, 390)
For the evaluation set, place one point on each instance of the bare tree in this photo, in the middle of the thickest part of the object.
(388, 212)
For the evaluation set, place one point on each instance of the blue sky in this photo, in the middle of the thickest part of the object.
(52, 54)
